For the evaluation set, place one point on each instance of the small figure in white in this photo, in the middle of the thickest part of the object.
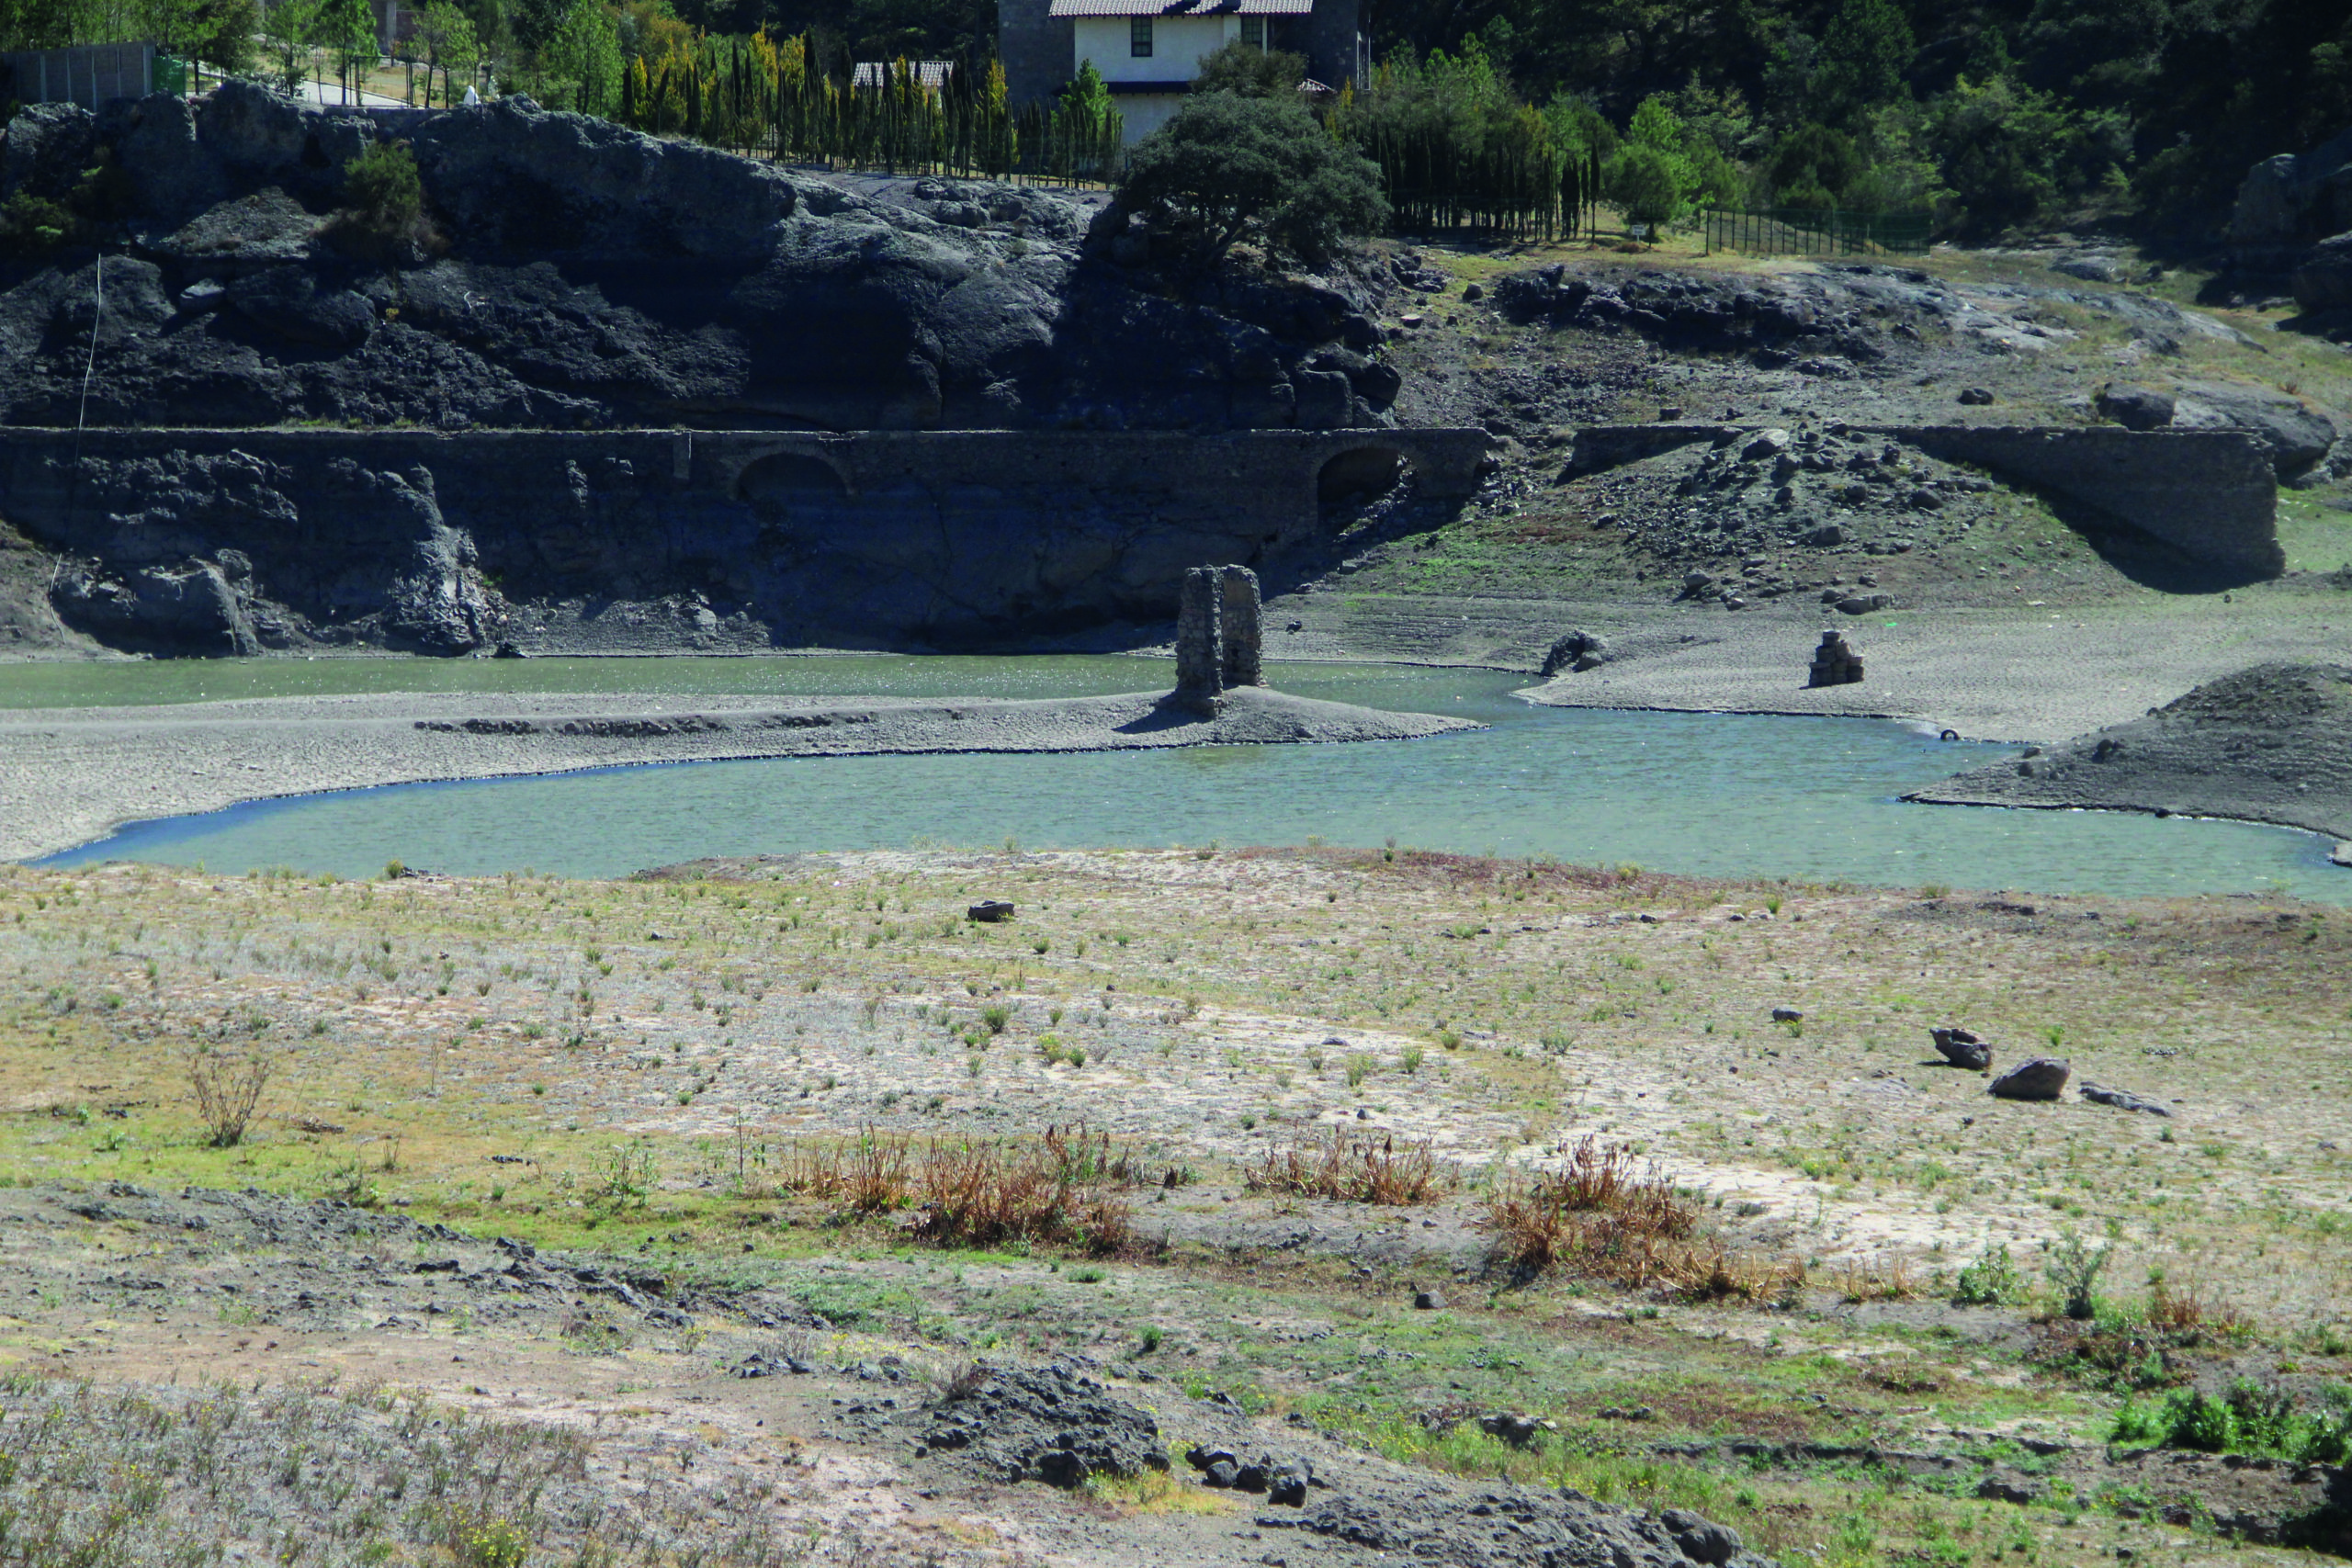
(473, 99)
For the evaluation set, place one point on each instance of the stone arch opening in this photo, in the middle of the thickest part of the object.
(784, 478)
(1360, 475)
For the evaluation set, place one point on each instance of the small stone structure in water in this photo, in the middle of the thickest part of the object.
(1834, 664)
(1219, 641)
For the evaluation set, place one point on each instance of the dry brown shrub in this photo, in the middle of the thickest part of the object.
(1088, 1155)
(984, 1194)
(228, 1091)
(2186, 1317)
(1355, 1169)
(1607, 1214)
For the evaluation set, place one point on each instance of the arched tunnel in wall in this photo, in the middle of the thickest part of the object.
(1358, 476)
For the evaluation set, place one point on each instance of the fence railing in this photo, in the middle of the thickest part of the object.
(88, 74)
(1804, 231)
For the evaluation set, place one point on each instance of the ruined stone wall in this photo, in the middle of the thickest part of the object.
(244, 541)
(2211, 493)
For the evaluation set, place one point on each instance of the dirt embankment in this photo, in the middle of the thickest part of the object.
(2269, 744)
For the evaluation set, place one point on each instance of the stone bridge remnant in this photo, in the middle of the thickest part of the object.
(2211, 494)
(1219, 638)
(245, 541)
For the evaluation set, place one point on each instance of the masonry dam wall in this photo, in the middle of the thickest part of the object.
(242, 541)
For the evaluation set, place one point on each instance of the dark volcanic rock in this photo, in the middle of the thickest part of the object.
(1046, 1424)
(584, 274)
(2041, 1077)
(1961, 1048)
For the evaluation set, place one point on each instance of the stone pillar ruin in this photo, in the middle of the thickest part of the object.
(1199, 642)
(1219, 641)
(1834, 664)
(1238, 624)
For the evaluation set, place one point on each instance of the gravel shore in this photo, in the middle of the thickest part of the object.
(2269, 744)
(69, 776)
(1990, 675)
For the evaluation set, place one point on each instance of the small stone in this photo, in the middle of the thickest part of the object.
(1975, 397)
(1765, 444)
(2039, 1078)
(1224, 1472)
(1428, 1300)
(1474, 292)
(2122, 1100)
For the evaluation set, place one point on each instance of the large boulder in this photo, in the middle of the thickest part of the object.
(2289, 199)
(2324, 279)
(2041, 1077)
(2294, 435)
(2291, 433)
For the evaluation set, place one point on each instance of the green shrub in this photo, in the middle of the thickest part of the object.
(1227, 168)
(383, 197)
(1991, 1280)
(2073, 1267)
(2250, 1418)
(30, 224)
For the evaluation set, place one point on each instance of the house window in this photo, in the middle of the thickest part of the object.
(1139, 37)
(1253, 31)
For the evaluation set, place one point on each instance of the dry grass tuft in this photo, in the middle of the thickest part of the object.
(1887, 1279)
(1358, 1170)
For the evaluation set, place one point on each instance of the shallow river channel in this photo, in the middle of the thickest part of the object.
(1809, 798)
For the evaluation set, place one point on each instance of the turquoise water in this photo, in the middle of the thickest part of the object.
(141, 682)
(1699, 793)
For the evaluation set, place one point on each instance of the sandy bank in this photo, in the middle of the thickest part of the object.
(69, 776)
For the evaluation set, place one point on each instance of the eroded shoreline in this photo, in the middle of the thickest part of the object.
(69, 777)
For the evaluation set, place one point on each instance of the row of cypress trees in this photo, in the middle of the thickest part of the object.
(765, 96)
(1456, 148)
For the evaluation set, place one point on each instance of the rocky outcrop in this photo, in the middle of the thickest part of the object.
(2269, 744)
(2296, 437)
(582, 275)
(2294, 198)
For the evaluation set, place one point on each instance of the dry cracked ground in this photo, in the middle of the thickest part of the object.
(542, 1170)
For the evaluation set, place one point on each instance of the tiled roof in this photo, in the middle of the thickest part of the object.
(1182, 7)
(932, 74)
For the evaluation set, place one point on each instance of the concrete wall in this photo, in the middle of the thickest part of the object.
(1038, 48)
(230, 541)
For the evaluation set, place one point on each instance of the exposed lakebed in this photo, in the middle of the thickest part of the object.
(1691, 792)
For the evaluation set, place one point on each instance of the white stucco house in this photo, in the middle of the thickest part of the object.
(1148, 51)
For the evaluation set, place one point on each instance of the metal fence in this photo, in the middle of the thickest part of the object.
(88, 74)
(1801, 231)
